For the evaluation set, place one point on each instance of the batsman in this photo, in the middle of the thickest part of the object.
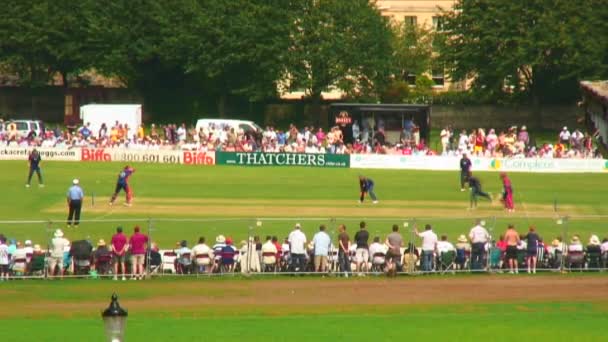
(123, 184)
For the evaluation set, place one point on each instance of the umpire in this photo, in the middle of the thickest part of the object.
(75, 197)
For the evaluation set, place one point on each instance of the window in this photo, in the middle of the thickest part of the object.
(410, 20)
(22, 126)
(438, 23)
(409, 78)
(438, 76)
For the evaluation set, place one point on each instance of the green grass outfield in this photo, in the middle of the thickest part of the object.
(186, 202)
(226, 200)
(69, 310)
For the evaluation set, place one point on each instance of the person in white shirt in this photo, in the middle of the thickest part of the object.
(479, 237)
(445, 140)
(181, 133)
(202, 255)
(444, 245)
(29, 250)
(19, 259)
(377, 251)
(564, 136)
(4, 259)
(575, 245)
(322, 244)
(184, 256)
(58, 245)
(269, 254)
(604, 248)
(429, 246)
(297, 248)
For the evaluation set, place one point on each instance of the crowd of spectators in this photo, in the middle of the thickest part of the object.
(367, 137)
(357, 254)
(517, 143)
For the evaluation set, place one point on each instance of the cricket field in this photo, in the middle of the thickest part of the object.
(176, 202)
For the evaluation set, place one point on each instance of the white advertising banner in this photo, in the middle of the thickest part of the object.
(131, 156)
(22, 153)
(378, 161)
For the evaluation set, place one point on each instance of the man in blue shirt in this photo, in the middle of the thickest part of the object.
(34, 160)
(123, 184)
(75, 196)
(366, 185)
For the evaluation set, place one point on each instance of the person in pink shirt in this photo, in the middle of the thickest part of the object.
(138, 242)
(119, 249)
(320, 135)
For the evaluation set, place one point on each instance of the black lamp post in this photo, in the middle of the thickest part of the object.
(114, 320)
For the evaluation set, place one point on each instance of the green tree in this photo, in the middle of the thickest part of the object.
(187, 49)
(412, 49)
(41, 38)
(341, 44)
(544, 46)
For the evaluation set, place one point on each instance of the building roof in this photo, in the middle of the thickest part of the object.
(597, 89)
(383, 107)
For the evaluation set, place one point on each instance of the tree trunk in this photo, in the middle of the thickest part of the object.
(64, 79)
(315, 115)
(221, 105)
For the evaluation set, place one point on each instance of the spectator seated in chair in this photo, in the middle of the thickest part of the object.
(463, 250)
(184, 258)
(410, 258)
(377, 252)
(203, 256)
(575, 257)
(604, 250)
(19, 260)
(153, 258)
(220, 243)
(269, 255)
(445, 247)
(81, 252)
(102, 258)
(593, 253)
(227, 256)
(38, 262)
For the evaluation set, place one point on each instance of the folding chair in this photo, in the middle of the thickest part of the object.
(540, 257)
(447, 261)
(184, 263)
(593, 260)
(378, 262)
(202, 261)
(521, 258)
(461, 258)
(19, 267)
(168, 262)
(269, 262)
(103, 263)
(332, 260)
(37, 265)
(495, 258)
(575, 260)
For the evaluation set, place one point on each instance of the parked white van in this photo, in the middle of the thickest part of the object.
(24, 127)
(246, 126)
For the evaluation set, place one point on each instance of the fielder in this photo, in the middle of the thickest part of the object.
(34, 160)
(476, 190)
(465, 170)
(366, 185)
(123, 184)
(507, 194)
